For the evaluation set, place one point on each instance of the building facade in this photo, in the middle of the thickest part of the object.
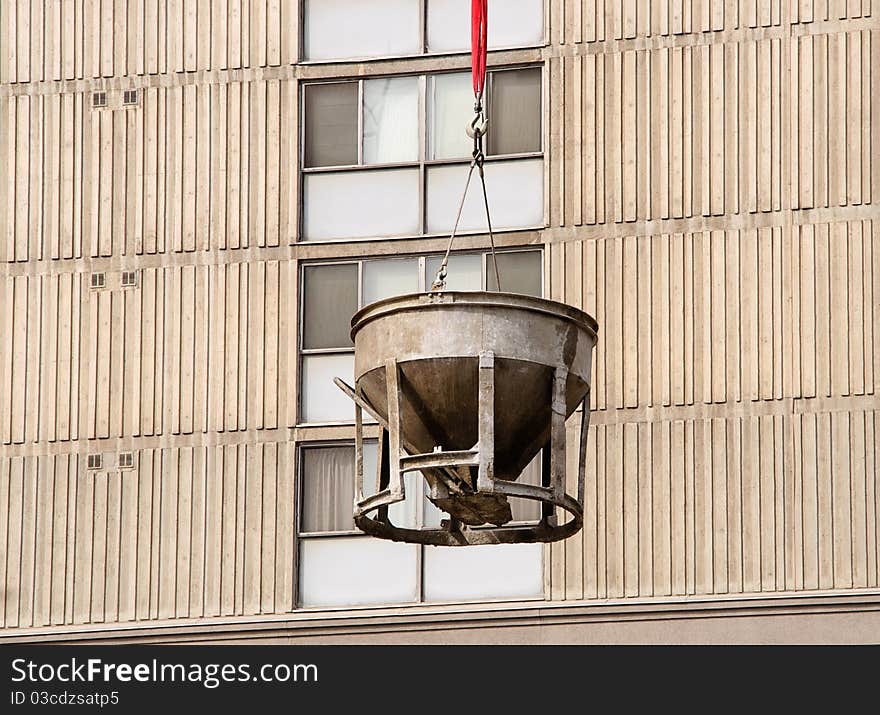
(196, 196)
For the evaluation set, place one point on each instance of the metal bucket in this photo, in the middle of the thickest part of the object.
(468, 387)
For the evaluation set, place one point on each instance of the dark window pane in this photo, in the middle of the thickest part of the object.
(327, 489)
(329, 301)
(331, 124)
(515, 111)
(520, 272)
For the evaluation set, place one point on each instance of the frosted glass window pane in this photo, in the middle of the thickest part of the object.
(403, 513)
(330, 298)
(331, 119)
(431, 514)
(512, 23)
(516, 196)
(463, 272)
(516, 23)
(450, 110)
(482, 572)
(371, 466)
(406, 513)
(515, 111)
(521, 272)
(321, 400)
(327, 489)
(449, 23)
(356, 571)
(346, 29)
(361, 204)
(390, 277)
(391, 120)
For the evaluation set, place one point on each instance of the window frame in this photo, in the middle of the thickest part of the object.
(300, 461)
(299, 489)
(423, 40)
(484, 253)
(300, 535)
(303, 445)
(422, 162)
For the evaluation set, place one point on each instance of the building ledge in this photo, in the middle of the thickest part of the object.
(853, 616)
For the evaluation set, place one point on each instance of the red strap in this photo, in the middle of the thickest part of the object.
(479, 34)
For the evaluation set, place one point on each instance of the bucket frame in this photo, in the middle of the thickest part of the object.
(395, 460)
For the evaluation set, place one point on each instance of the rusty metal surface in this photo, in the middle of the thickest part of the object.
(469, 387)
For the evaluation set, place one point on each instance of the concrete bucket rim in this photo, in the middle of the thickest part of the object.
(471, 299)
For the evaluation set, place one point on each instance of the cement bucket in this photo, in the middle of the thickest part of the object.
(468, 388)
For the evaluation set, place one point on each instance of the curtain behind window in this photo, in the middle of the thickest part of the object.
(330, 297)
(331, 124)
(515, 111)
(451, 108)
(391, 120)
(327, 489)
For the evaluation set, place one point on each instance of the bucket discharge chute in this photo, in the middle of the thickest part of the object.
(468, 388)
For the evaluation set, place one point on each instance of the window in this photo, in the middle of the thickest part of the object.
(513, 130)
(125, 460)
(333, 292)
(99, 99)
(366, 148)
(356, 29)
(97, 280)
(331, 124)
(94, 462)
(340, 566)
(130, 97)
(129, 279)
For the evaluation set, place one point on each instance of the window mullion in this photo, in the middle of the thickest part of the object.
(423, 26)
(420, 574)
(360, 129)
(423, 143)
(420, 524)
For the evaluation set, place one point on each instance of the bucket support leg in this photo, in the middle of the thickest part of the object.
(557, 431)
(382, 471)
(486, 470)
(582, 453)
(392, 383)
(358, 454)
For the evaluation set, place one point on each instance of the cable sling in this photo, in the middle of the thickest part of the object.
(477, 131)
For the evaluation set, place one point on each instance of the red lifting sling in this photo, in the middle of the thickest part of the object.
(479, 34)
